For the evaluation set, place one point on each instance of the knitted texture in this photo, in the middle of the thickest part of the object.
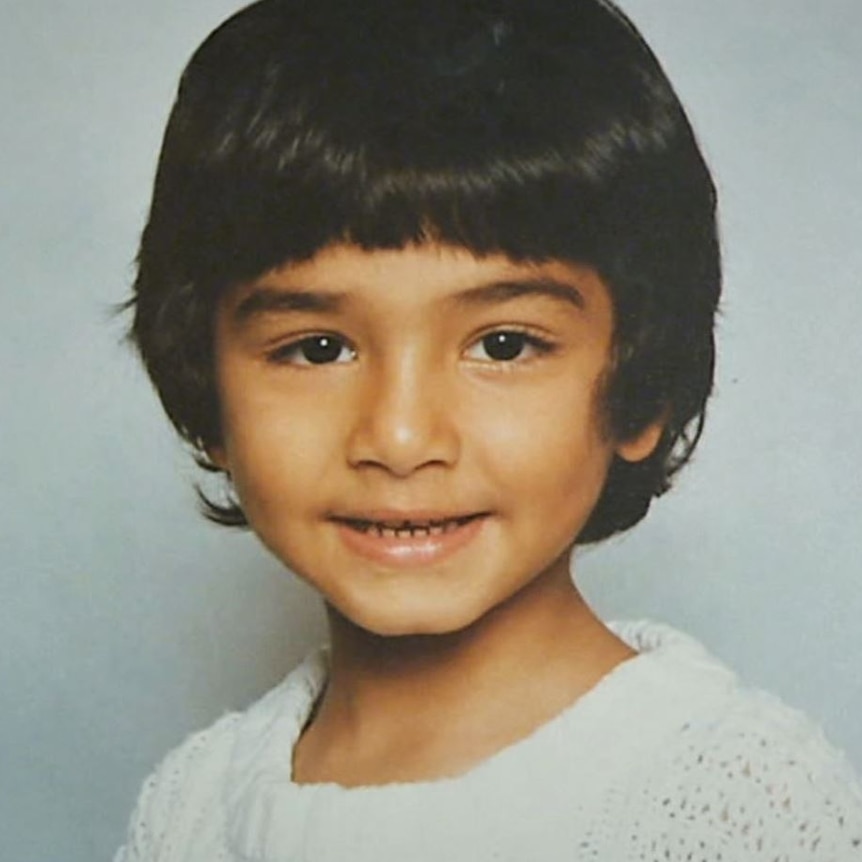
(667, 759)
(759, 783)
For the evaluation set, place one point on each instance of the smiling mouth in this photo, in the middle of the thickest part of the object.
(407, 529)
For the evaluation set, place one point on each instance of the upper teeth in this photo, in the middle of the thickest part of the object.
(403, 529)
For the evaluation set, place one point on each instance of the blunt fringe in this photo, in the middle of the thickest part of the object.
(540, 129)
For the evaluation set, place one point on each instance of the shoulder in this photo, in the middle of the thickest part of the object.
(182, 803)
(748, 777)
(182, 783)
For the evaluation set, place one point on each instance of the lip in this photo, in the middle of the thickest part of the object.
(422, 548)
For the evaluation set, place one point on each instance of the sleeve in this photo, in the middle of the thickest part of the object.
(177, 803)
(761, 785)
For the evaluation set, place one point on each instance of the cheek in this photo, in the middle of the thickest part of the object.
(550, 449)
(272, 452)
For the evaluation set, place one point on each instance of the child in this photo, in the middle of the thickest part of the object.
(433, 286)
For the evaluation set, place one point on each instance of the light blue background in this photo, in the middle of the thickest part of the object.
(126, 621)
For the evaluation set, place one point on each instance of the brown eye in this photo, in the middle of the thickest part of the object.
(315, 350)
(509, 345)
(504, 346)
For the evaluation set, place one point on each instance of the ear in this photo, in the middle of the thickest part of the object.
(642, 445)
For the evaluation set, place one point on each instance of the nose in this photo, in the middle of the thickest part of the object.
(404, 420)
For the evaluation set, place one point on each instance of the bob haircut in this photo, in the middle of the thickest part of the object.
(541, 130)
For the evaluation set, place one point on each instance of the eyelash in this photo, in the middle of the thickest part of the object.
(297, 352)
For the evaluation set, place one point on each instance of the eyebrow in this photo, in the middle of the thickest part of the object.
(266, 299)
(509, 289)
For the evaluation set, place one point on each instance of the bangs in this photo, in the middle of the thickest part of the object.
(270, 218)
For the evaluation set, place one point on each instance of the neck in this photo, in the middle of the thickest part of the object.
(456, 697)
(513, 641)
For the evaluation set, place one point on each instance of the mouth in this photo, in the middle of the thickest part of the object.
(407, 528)
(396, 540)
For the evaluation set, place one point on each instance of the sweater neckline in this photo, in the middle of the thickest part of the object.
(266, 809)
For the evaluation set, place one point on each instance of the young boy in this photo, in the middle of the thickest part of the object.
(433, 286)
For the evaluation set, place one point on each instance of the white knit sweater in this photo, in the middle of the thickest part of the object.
(667, 759)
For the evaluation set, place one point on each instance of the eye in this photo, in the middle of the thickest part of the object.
(507, 345)
(315, 350)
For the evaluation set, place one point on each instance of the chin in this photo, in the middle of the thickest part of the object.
(399, 624)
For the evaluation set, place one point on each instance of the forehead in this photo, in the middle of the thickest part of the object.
(344, 276)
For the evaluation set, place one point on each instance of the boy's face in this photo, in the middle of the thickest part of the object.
(417, 432)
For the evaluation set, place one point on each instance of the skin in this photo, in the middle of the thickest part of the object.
(426, 384)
